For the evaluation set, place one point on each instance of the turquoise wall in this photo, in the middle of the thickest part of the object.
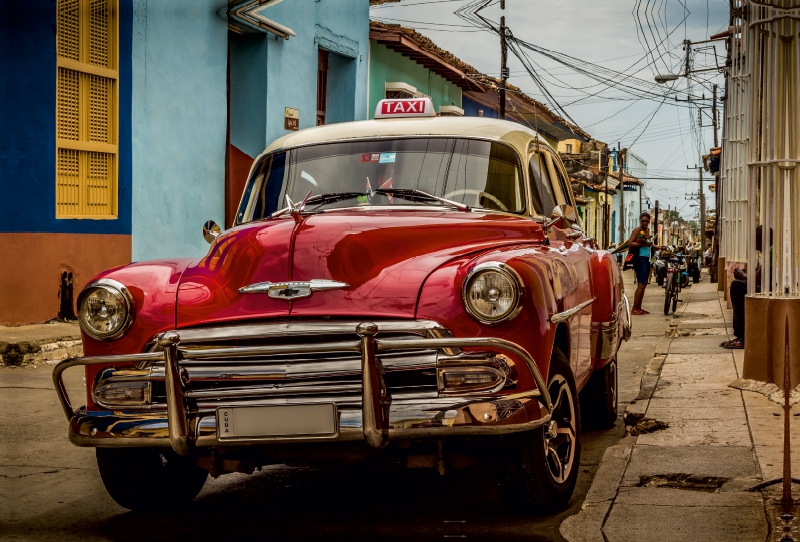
(387, 66)
(269, 74)
(180, 51)
(248, 63)
(180, 116)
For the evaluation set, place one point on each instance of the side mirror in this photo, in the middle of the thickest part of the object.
(211, 231)
(566, 214)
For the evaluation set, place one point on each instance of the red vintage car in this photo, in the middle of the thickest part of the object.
(412, 288)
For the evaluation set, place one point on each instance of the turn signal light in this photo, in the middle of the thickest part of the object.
(120, 394)
(470, 379)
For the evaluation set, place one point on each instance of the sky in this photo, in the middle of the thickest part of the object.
(637, 38)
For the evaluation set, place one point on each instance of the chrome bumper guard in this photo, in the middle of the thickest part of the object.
(380, 419)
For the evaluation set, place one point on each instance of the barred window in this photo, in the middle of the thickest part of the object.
(86, 108)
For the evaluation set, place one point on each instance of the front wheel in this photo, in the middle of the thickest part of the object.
(149, 479)
(669, 289)
(536, 471)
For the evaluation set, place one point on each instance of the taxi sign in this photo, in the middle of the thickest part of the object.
(411, 107)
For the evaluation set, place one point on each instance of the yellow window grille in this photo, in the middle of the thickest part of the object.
(86, 109)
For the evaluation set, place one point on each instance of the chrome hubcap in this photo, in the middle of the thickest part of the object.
(560, 433)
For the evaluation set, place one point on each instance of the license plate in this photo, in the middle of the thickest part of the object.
(278, 421)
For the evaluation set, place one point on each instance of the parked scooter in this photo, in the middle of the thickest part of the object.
(693, 268)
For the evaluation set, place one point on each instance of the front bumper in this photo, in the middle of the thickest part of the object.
(183, 427)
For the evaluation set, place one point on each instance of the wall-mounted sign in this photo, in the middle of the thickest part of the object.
(291, 120)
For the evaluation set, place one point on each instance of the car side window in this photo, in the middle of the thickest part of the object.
(543, 200)
(563, 188)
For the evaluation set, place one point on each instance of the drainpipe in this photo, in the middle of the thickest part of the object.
(248, 14)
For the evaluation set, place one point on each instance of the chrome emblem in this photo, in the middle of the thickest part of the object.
(291, 289)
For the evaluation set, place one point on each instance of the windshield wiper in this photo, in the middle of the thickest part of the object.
(418, 195)
(321, 199)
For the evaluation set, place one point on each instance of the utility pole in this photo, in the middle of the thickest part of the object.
(606, 208)
(621, 165)
(668, 224)
(640, 200)
(702, 208)
(503, 59)
(714, 116)
(687, 46)
(655, 227)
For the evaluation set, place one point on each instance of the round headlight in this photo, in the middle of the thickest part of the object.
(492, 293)
(105, 309)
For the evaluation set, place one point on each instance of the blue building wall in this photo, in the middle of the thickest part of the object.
(28, 123)
(248, 88)
(180, 51)
(471, 108)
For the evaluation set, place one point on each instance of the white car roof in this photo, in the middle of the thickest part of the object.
(516, 135)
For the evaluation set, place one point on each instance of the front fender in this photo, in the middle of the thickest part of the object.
(441, 300)
(153, 286)
(610, 312)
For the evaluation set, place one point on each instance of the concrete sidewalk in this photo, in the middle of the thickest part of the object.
(691, 480)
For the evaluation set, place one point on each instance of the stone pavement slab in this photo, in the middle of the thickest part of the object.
(703, 461)
(673, 515)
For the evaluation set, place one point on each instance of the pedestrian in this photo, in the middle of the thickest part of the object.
(738, 292)
(640, 244)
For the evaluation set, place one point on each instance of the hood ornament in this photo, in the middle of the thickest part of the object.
(291, 289)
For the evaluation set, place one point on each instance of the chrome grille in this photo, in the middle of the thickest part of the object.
(217, 366)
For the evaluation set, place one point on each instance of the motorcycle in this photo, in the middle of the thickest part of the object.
(682, 269)
(693, 268)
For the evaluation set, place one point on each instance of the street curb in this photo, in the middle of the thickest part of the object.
(587, 525)
(31, 352)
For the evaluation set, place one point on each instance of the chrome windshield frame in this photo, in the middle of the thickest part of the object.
(523, 171)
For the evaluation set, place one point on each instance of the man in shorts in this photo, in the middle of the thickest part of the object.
(640, 245)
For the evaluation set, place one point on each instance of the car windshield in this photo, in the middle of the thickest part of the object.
(481, 174)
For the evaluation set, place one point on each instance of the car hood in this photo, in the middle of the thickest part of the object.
(383, 256)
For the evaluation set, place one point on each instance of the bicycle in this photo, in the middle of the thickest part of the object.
(672, 284)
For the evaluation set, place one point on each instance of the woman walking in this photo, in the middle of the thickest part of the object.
(640, 245)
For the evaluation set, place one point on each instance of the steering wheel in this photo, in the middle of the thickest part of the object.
(479, 193)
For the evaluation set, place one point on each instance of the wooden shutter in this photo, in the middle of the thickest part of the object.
(86, 108)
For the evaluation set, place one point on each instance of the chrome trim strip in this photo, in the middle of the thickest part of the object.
(292, 289)
(604, 339)
(627, 325)
(252, 391)
(188, 353)
(408, 418)
(424, 328)
(569, 313)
